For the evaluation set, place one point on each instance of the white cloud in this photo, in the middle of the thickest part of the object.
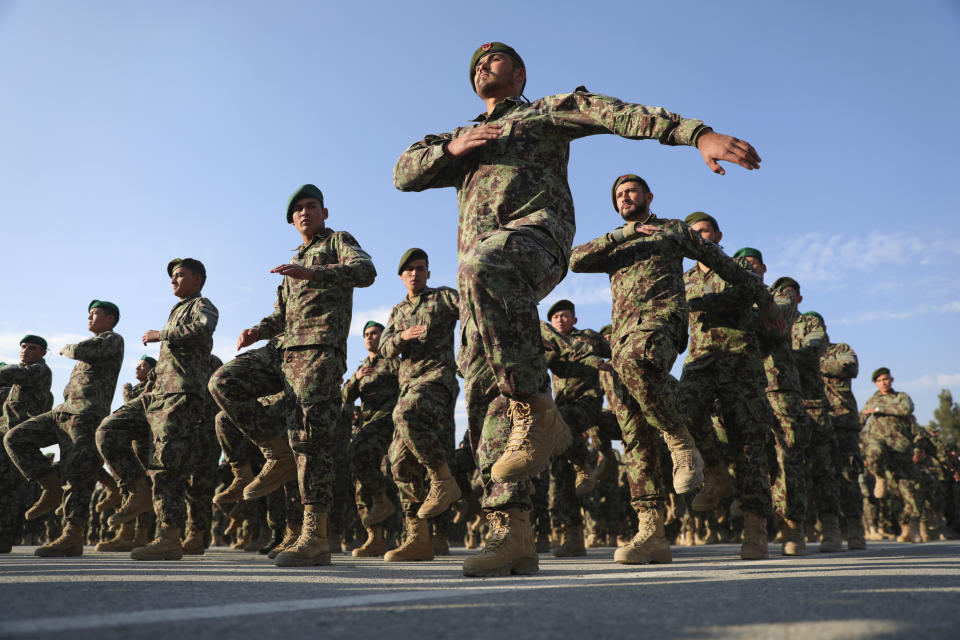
(866, 317)
(933, 381)
(360, 318)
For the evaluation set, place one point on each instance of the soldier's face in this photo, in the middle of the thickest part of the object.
(415, 275)
(706, 231)
(371, 338)
(309, 217)
(143, 368)
(884, 383)
(633, 201)
(30, 353)
(563, 321)
(185, 282)
(496, 76)
(758, 266)
(98, 321)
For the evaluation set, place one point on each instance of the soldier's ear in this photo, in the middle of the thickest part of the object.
(326, 214)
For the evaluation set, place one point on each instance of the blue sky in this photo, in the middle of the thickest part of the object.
(133, 133)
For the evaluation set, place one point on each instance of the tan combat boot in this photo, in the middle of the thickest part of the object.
(292, 535)
(474, 536)
(112, 497)
(166, 546)
(312, 548)
(122, 539)
(50, 497)
(542, 544)
(510, 549)
(830, 538)
(908, 531)
(193, 544)
(138, 500)
(794, 539)
(880, 487)
(687, 461)
(279, 469)
(716, 487)
(69, 544)
(375, 546)
(754, 545)
(444, 491)
(242, 477)
(417, 546)
(380, 509)
(650, 545)
(538, 432)
(856, 537)
(571, 542)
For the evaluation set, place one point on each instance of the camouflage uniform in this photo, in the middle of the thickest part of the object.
(723, 364)
(839, 366)
(167, 412)
(314, 318)
(26, 394)
(515, 232)
(423, 417)
(378, 393)
(202, 481)
(891, 438)
(650, 316)
(72, 424)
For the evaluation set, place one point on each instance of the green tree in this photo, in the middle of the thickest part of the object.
(946, 417)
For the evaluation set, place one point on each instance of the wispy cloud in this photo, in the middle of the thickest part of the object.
(866, 317)
(579, 294)
(932, 381)
(361, 317)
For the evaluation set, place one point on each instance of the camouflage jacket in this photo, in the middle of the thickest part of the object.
(646, 276)
(520, 180)
(776, 349)
(94, 377)
(575, 373)
(183, 365)
(808, 337)
(839, 366)
(429, 358)
(378, 392)
(135, 391)
(317, 312)
(29, 392)
(891, 417)
(721, 318)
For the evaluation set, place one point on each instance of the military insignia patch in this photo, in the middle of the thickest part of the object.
(486, 47)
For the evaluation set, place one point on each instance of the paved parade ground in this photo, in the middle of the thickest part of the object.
(891, 590)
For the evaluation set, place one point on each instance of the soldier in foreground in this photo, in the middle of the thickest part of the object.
(515, 233)
(167, 413)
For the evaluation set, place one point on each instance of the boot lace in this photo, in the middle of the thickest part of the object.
(646, 527)
(498, 532)
(520, 415)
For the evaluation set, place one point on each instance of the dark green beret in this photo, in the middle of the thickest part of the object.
(561, 305)
(372, 323)
(815, 315)
(700, 216)
(486, 49)
(150, 359)
(412, 254)
(629, 177)
(109, 307)
(190, 263)
(786, 281)
(306, 191)
(606, 329)
(32, 339)
(882, 371)
(749, 252)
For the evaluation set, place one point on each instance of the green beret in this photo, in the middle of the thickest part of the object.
(492, 47)
(629, 177)
(32, 339)
(786, 281)
(700, 216)
(815, 315)
(882, 371)
(412, 254)
(606, 329)
(749, 252)
(306, 191)
(109, 307)
(561, 305)
(150, 359)
(372, 323)
(190, 263)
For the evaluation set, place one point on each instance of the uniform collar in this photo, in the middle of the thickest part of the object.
(505, 105)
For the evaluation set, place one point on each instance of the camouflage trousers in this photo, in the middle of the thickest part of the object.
(540, 503)
(735, 386)
(343, 508)
(424, 434)
(849, 465)
(366, 450)
(11, 486)
(821, 456)
(312, 377)
(791, 437)
(889, 454)
(565, 504)
(237, 385)
(171, 421)
(202, 480)
(501, 280)
(79, 459)
(284, 506)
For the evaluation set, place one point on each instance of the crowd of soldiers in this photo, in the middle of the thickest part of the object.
(761, 433)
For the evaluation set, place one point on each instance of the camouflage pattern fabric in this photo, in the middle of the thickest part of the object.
(202, 482)
(94, 377)
(237, 386)
(891, 436)
(186, 339)
(28, 392)
(839, 366)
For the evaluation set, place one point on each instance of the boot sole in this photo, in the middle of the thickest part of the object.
(522, 567)
(320, 560)
(172, 556)
(57, 554)
(646, 561)
(263, 489)
(559, 446)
